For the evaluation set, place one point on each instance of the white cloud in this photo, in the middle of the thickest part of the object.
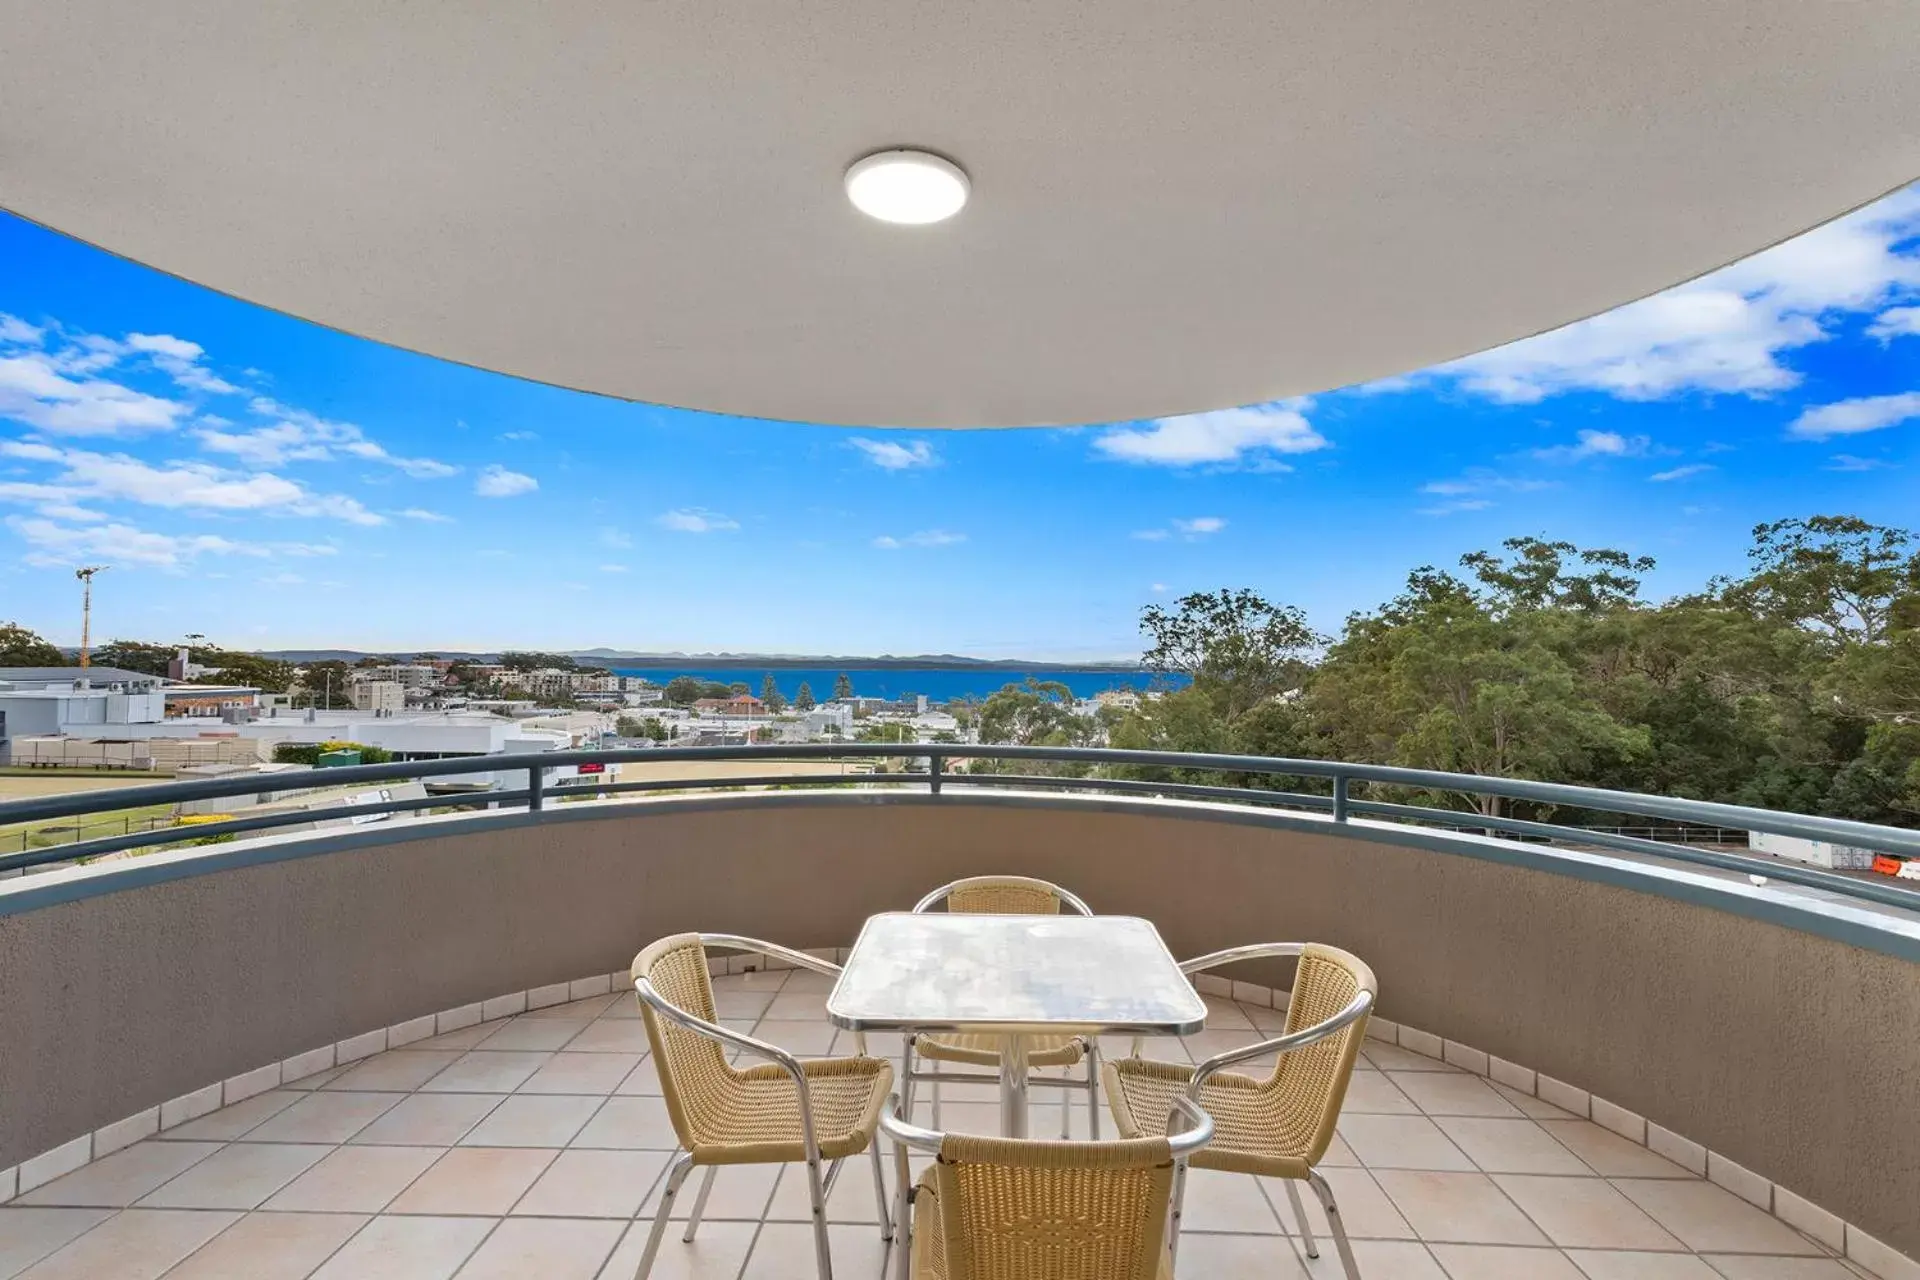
(495, 481)
(1852, 417)
(424, 516)
(696, 520)
(618, 539)
(54, 545)
(1723, 333)
(1597, 444)
(1852, 462)
(186, 485)
(891, 455)
(34, 390)
(1895, 322)
(1251, 436)
(613, 568)
(924, 538)
(1682, 473)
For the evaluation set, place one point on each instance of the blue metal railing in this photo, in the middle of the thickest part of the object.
(938, 778)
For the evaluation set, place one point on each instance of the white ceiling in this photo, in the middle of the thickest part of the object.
(1176, 206)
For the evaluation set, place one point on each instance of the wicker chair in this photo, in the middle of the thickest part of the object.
(1015, 1209)
(1009, 896)
(784, 1111)
(1281, 1126)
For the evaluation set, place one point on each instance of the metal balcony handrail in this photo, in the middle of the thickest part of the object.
(1341, 805)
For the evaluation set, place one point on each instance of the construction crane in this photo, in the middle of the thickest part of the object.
(86, 611)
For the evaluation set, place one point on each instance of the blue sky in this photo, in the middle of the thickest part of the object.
(273, 484)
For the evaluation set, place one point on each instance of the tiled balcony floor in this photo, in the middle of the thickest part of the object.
(533, 1147)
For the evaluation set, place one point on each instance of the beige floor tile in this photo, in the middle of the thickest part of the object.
(1611, 1265)
(611, 1036)
(531, 1032)
(629, 1123)
(239, 1176)
(1218, 1201)
(851, 1201)
(1509, 1146)
(582, 1073)
(1388, 1057)
(785, 1252)
(1457, 1094)
(1364, 1207)
(325, 1117)
(1753, 1267)
(1709, 1220)
(1610, 1154)
(1584, 1213)
(593, 1184)
(715, 1254)
(406, 1249)
(229, 1123)
(28, 1235)
(740, 1193)
(480, 1071)
(403, 1070)
(138, 1244)
(1402, 1142)
(1371, 1093)
(533, 1120)
(1503, 1262)
(1466, 1208)
(123, 1177)
(550, 1248)
(354, 1180)
(475, 1180)
(429, 1119)
(1261, 1257)
(270, 1246)
(1377, 1260)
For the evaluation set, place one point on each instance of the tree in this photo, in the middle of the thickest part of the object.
(683, 691)
(135, 655)
(20, 647)
(771, 695)
(803, 697)
(1234, 645)
(842, 687)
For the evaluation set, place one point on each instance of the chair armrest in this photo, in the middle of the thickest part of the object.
(1356, 1009)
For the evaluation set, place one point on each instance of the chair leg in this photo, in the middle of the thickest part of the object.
(1338, 1227)
(817, 1192)
(1300, 1216)
(880, 1190)
(676, 1174)
(1093, 1089)
(700, 1204)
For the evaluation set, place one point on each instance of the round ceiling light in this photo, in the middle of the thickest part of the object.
(908, 187)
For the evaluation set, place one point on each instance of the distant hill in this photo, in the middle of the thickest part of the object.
(722, 661)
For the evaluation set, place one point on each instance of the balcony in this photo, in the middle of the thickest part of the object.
(406, 1044)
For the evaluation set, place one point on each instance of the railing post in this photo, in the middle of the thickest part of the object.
(935, 763)
(1339, 797)
(536, 788)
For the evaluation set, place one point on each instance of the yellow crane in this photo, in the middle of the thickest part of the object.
(86, 611)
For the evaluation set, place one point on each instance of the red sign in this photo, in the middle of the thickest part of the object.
(598, 766)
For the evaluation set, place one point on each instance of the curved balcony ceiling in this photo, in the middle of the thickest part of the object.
(1174, 207)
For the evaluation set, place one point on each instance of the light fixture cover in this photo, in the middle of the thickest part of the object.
(908, 187)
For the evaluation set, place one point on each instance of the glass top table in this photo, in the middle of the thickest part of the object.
(1015, 976)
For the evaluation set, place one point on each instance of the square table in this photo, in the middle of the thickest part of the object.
(1018, 976)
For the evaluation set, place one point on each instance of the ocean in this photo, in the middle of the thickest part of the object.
(939, 684)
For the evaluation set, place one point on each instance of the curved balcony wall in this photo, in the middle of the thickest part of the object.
(1773, 1026)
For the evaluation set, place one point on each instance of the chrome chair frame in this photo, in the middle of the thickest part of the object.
(906, 1135)
(1355, 1009)
(818, 1187)
(908, 1075)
